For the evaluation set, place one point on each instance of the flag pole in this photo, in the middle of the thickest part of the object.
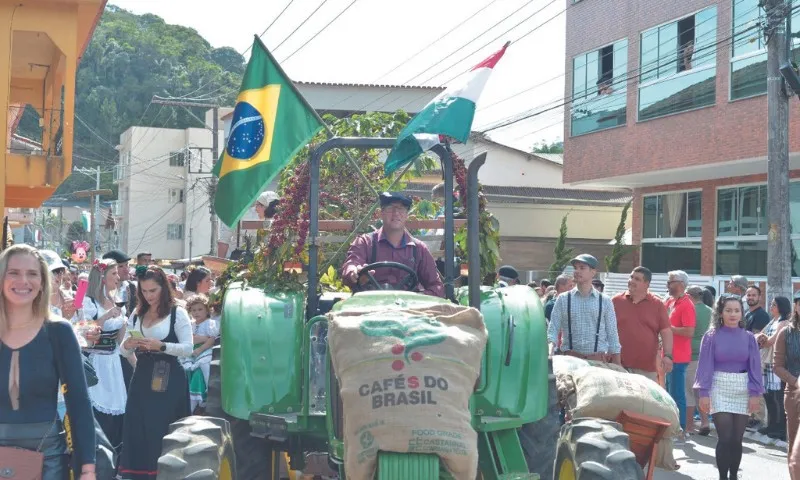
(318, 117)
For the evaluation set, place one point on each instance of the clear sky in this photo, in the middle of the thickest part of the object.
(374, 36)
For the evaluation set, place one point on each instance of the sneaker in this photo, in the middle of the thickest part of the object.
(704, 431)
(754, 424)
(766, 430)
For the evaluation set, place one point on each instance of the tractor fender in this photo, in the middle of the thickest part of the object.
(260, 361)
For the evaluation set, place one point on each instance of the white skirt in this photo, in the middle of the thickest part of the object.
(729, 393)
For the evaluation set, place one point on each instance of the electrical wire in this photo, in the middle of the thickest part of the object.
(559, 76)
(270, 25)
(300, 26)
(320, 31)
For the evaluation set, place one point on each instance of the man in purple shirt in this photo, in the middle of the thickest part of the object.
(392, 243)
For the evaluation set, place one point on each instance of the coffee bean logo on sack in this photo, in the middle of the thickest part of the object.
(413, 332)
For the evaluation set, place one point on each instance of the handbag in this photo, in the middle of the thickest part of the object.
(22, 464)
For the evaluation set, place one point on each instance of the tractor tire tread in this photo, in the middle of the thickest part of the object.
(599, 450)
(203, 455)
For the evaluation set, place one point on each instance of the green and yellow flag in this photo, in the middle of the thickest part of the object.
(271, 122)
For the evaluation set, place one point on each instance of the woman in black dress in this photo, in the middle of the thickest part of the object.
(159, 389)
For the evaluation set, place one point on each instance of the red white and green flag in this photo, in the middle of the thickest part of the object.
(450, 114)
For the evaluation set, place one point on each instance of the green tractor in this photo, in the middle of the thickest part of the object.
(274, 398)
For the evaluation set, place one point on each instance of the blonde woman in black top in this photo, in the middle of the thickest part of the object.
(30, 373)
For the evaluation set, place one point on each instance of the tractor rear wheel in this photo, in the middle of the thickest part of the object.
(539, 439)
(255, 458)
(594, 449)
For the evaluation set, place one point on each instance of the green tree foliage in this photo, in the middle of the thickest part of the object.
(544, 147)
(561, 253)
(613, 259)
(129, 59)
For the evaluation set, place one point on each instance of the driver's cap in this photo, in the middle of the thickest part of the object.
(388, 198)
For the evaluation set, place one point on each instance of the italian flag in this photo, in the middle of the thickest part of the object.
(449, 114)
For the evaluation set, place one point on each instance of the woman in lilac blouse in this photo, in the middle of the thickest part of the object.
(729, 381)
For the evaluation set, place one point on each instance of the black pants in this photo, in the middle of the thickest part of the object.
(776, 413)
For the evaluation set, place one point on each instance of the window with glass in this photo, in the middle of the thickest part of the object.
(749, 49)
(672, 228)
(742, 227)
(175, 231)
(599, 87)
(678, 65)
(176, 159)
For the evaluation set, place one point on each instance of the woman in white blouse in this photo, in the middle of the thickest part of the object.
(160, 332)
(109, 395)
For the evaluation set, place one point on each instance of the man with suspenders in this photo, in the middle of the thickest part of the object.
(585, 318)
(392, 243)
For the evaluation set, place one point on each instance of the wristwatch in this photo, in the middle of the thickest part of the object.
(668, 355)
(163, 347)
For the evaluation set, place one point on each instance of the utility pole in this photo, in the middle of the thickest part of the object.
(94, 195)
(212, 190)
(779, 269)
(95, 205)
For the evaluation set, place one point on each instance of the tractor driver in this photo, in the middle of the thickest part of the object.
(392, 243)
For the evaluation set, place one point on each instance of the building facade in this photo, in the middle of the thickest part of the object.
(669, 98)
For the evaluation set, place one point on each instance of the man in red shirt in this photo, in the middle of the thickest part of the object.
(641, 318)
(683, 320)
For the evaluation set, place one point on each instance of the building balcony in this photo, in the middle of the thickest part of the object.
(40, 54)
(121, 173)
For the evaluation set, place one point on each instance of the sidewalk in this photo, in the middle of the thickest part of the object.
(750, 434)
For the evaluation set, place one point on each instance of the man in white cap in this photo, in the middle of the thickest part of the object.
(263, 209)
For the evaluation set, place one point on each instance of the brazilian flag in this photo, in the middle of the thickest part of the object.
(271, 122)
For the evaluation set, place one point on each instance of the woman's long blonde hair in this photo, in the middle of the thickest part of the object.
(41, 304)
(97, 276)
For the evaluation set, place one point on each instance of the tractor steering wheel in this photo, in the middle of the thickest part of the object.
(409, 283)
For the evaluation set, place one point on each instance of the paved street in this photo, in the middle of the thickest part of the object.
(696, 459)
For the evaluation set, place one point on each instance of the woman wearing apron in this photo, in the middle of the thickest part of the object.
(160, 333)
(109, 395)
(30, 373)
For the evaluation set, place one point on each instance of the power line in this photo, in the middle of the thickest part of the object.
(270, 25)
(429, 45)
(561, 75)
(300, 26)
(320, 31)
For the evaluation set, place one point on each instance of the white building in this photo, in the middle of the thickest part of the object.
(163, 174)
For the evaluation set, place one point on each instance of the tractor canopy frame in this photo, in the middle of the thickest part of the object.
(364, 143)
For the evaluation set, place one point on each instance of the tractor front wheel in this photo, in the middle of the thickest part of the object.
(594, 449)
(198, 447)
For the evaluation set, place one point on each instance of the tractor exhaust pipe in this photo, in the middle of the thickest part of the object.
(473, 231)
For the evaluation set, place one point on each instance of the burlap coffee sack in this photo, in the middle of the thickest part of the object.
(604, 393)
(563, 366)
(406, 378)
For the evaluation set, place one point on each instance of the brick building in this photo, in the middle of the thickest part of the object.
(669, 98)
